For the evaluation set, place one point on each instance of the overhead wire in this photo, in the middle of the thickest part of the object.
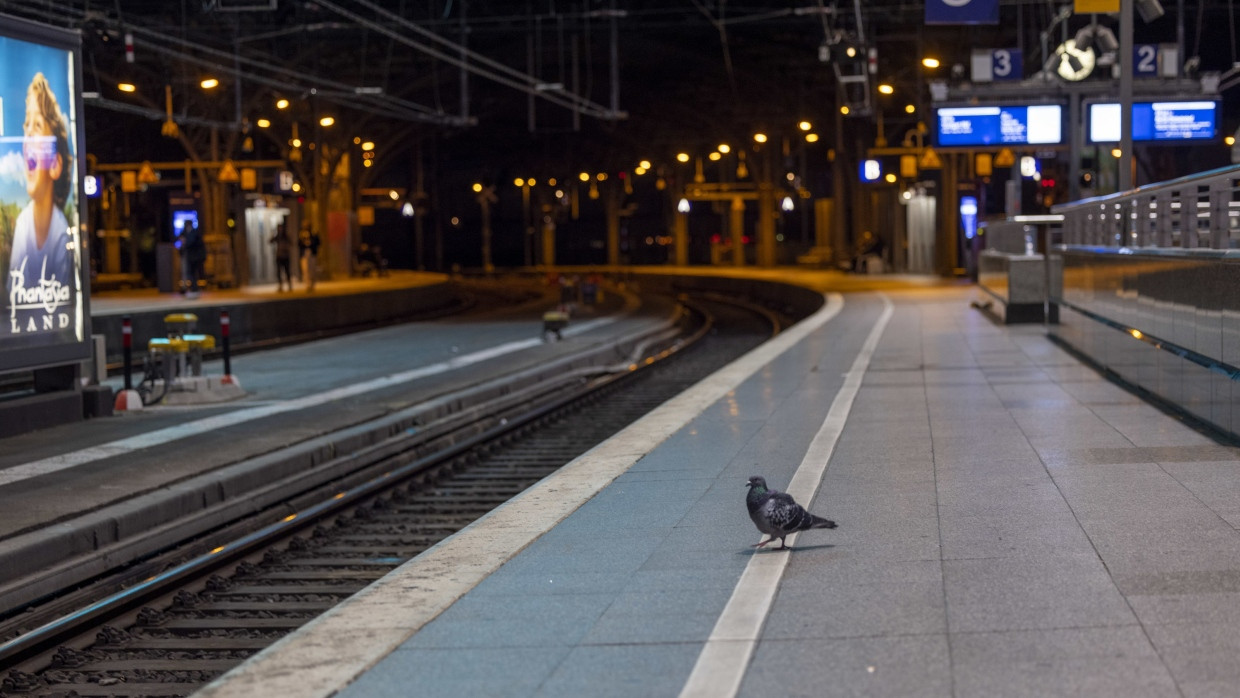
(493, 70)
(265, 72)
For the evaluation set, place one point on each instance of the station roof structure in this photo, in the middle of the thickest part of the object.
(588, 81)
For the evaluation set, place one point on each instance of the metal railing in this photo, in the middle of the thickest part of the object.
(1197, 212)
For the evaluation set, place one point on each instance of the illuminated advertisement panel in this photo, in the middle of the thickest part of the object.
(1035, 124)
(44, 319)
(1167, 122)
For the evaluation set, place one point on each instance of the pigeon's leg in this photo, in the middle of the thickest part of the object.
(783, 545)
(759, 545)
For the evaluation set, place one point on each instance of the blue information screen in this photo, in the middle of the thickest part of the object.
(1037, 124)
(1155, 121)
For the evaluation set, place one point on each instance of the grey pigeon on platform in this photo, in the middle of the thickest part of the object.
(777, 514)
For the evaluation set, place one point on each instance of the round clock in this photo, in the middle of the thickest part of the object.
(1074, 63)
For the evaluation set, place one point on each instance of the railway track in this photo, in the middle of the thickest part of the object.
(169, 636)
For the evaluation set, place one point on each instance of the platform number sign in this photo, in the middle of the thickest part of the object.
(997, 64)
(1145, 60)
(1007, 64)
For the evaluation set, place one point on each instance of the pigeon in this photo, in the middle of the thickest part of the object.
(777, 514)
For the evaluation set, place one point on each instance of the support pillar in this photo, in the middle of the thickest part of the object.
(766, 226)
(736, 228)
(948, 242)
(612, 207)
(680, 239)
(548, 242)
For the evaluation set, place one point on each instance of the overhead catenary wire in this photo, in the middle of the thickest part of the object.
(472, 61)
(276, 76)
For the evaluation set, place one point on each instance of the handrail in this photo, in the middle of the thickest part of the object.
(1152, 187)
(1200, 211)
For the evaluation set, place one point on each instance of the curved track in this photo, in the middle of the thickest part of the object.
(192, 623)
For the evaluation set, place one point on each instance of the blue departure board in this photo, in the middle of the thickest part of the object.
(1031, 124)
(1167, 122)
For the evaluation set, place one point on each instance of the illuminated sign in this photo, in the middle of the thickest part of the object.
(1035, 124)
(1155, 121)
(871, 170)
(962, 11)
(968, 215)
(44, 316)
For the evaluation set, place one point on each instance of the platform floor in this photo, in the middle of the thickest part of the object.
(1011, 524)
(119, 302)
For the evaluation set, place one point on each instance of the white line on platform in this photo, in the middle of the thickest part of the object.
(327, 654)
(210, 424)
(721, 666)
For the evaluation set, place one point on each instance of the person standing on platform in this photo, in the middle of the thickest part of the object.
(284, 257)
(194, 251)
(308, 243)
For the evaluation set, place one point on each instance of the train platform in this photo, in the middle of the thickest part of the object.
(1010, 524)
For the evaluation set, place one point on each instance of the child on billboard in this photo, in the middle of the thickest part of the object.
(40, 279)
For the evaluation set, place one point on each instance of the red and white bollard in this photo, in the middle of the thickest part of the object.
(127, 399)
(225, 326)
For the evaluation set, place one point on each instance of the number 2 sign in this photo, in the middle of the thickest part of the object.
(1145, 60)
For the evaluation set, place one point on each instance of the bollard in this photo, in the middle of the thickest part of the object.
(224, 323)
(127, 345)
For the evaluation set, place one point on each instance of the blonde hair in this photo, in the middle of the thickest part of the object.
(41, 91)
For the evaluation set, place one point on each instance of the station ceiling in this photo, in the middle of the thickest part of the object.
(549, 84)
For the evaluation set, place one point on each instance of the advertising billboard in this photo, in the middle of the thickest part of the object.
(1029, 124)
(1166, 122)
(44, 317)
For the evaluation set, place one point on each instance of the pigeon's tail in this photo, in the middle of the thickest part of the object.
(819, 522)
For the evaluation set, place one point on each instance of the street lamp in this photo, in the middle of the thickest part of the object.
(486, 197)
(528, 242)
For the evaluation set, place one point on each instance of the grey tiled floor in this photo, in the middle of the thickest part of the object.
(1010, 525)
